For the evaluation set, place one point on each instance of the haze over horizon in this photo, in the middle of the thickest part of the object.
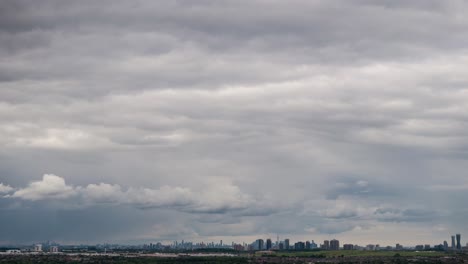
(127, 121)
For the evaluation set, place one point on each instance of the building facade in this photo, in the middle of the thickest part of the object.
(268, 244)
(334, 244)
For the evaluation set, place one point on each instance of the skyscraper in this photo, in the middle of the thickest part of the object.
(313, 244)
(286, 244)
(458, 242)
(326, 244)
(453, 242)
(334, 244)
(268, 244)
(299, 245)
(260, 244)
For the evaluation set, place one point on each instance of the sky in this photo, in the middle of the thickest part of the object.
(146, 121)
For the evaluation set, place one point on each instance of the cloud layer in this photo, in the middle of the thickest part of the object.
(217, 198)
(307, 119)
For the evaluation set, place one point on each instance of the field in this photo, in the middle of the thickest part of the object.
(342, 256)
(359, 253)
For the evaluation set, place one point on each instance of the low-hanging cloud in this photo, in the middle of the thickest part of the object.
(217, 198)
(50, 187)
(5, 188)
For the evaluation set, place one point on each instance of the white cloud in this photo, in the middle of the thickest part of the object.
(50, 187)
(102, 193)
(164, 196)
(220, 196)
(5, 188)
(60, 138)
(215, 198)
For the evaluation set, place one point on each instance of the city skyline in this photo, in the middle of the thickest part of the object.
(258, 245)
(129, 121)
(279, 244)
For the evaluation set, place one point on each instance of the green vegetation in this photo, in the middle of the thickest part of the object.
(315, 256)
(119, 260)
(357, 253)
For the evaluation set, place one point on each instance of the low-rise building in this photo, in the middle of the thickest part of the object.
(348, 246)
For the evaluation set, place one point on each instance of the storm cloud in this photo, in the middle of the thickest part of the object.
(235, 119)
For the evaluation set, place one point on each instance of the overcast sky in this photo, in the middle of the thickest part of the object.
(146, 121)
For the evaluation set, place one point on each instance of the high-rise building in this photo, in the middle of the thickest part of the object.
(38, 248)
(299, 245)
(260, 244)
(313, 244)
(445, 245)
(286, 244)
(268, 244)
(307, 245)
(326, 244)
(453, 242)
(458, 242)
(334, 244)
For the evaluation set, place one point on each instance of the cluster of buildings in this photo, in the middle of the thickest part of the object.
(257, 245)
(286, 244)
(50, 248)
(334, 244)
(37, 248)
(455, 245)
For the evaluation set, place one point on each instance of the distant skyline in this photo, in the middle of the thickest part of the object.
(265, 243)
(132, 121)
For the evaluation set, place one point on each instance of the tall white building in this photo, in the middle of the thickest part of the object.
(38, 248)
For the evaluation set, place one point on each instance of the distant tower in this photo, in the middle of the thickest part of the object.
(268, 244)
(445, 245)
(458, 242)
(286, 244)
(453, 242)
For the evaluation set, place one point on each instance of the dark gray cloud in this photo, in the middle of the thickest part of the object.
(407, 215)
(234, 118)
